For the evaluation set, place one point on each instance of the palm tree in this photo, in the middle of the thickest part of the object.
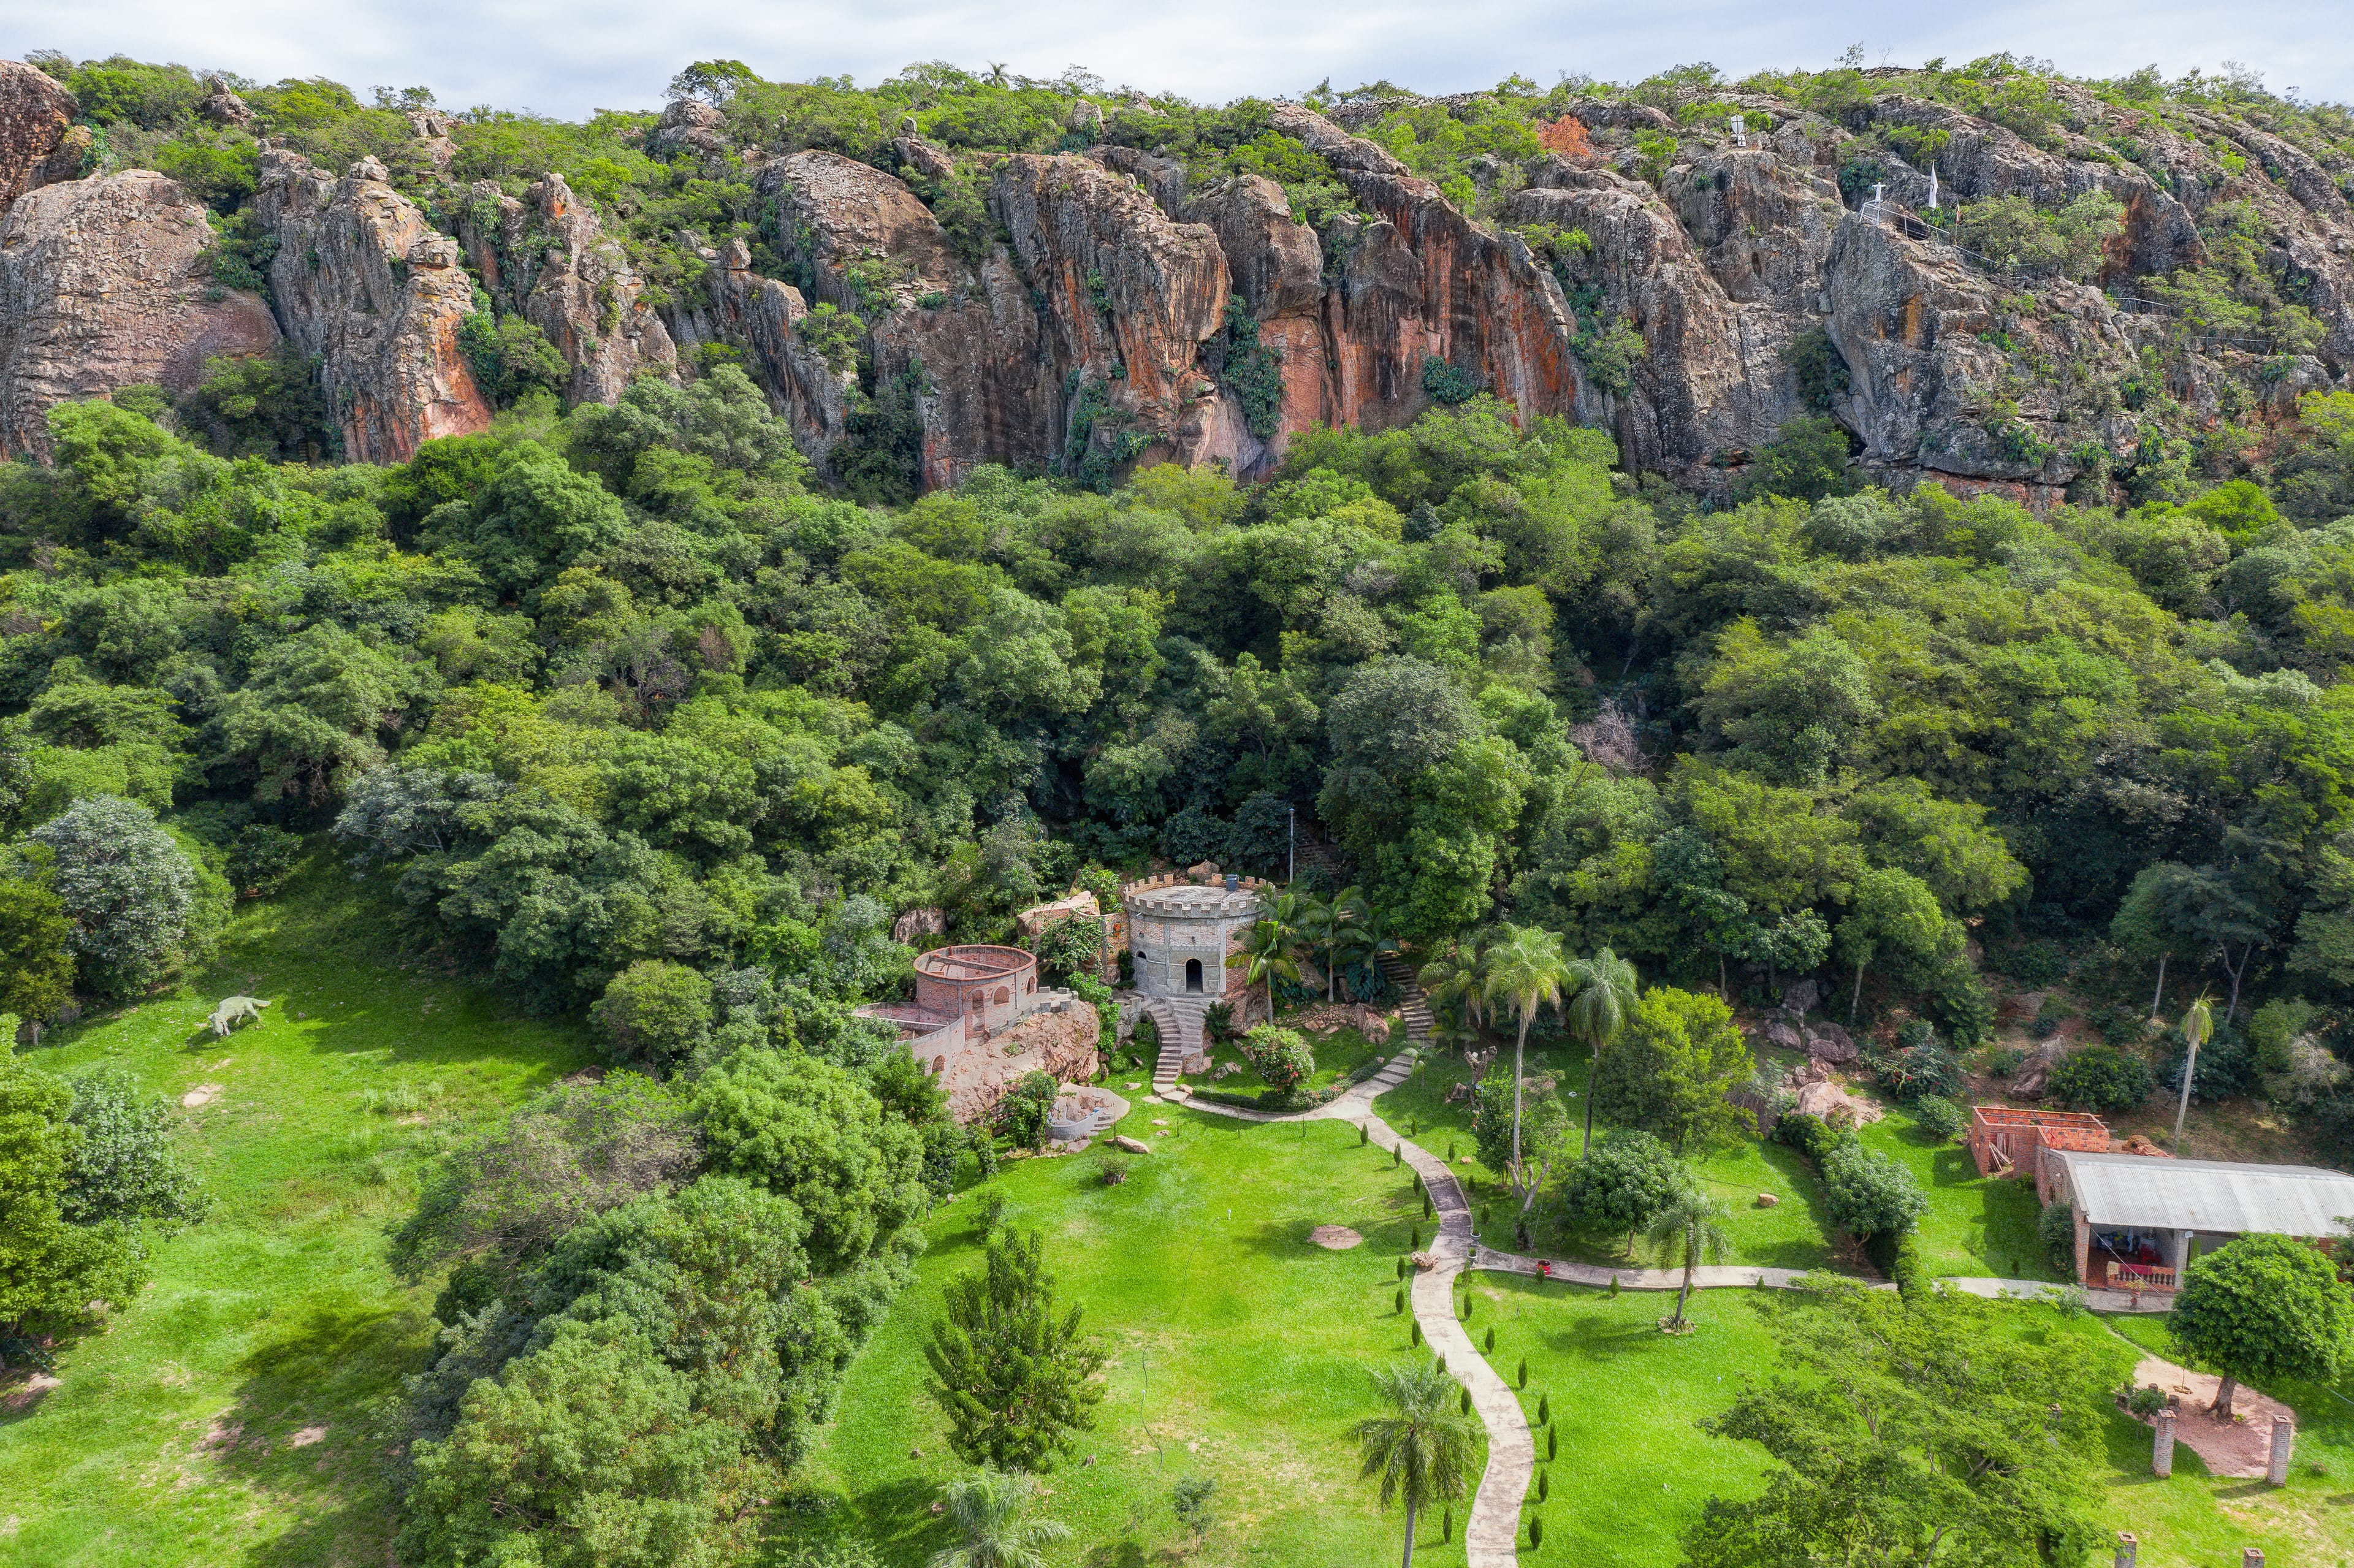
(1450, 983)
(1525, 968)
(1606, 995)
(1367, 937)
(992, 1511)
(1265, 952)
(1318, 926)
(1422, 1447)
(2196, 1025)
(1686, 1231)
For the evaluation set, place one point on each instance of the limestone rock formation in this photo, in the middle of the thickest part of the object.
(104, 283)
(365, 283)
(35, 109)
(548, 258)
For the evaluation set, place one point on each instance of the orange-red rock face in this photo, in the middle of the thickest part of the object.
(365, 283)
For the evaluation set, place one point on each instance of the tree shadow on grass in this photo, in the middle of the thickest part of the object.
(303, 1426)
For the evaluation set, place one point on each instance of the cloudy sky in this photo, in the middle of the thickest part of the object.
(567, 56)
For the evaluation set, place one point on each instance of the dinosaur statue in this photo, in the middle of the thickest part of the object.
(236, 1011)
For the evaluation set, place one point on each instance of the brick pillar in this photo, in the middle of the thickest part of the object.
(2161, 1451)
(2084, 1247)
(2128, 1547)
(2252, 1557)
(2284, 1441)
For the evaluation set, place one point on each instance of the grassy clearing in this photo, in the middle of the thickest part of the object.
(1238, 1349)
(173, 1435)
(1974, 1226)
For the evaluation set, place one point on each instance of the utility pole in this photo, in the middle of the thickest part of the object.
(1291, 850)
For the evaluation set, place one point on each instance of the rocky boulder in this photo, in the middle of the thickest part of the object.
(223, 108)
(363, 282)
(35, 109)
(548, 258)
(105, 283)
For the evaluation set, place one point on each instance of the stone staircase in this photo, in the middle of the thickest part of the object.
(1412, 1007)
(1179, 1019)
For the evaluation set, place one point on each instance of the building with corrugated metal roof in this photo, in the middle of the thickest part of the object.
(2139, 1221)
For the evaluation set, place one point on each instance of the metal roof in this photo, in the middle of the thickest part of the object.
(2153, 1193)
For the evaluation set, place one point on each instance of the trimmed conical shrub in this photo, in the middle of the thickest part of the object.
(1522, 1376)
(1446, 1526)
(1544, 1410)
(1536, 1532)
(1489, 1344)
(1544, 1485)
(1552, 1442)
(1467, 1402)
(1417, 1334)
(1400, 1303)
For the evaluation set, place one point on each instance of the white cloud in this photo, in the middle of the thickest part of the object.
(568, 58)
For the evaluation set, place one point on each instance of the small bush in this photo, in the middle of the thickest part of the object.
(2102, 1079)
(2147, 1400)
(262, 858)
(2004, 1060)
(2056, 1229)
(2039, 961)
(1940, 1117)
(1869, 1193)
(1447, 384)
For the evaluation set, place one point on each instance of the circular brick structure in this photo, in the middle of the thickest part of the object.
(986, 985)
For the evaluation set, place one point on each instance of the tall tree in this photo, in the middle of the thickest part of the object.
(1014, 1376)
(992, 1512)
(1605, 994)
(1523, 968)
(2196, 1025)
(2261, 1308)
(1689, 1231)
(1421, 1447)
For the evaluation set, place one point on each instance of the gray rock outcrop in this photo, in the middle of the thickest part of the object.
(105, 283)
(35, 109)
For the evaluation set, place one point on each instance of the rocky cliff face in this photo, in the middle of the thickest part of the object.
(1082, 321)
(35, 112)
(104, 283)
(547, 259)
(362, 281)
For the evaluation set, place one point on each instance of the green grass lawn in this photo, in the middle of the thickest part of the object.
(1634, 1469)
(171, 1437)
(1238, 1352)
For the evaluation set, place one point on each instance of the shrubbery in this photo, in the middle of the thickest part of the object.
(2100, 1078)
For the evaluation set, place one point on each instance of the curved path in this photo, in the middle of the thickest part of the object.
(1491, 1536)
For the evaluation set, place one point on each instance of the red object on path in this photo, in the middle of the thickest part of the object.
(1544, 1270)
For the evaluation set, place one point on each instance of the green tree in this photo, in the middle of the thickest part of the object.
(1689, 1231)
(1604, 994)
(587, 1454)
(49, 1267)
(1524, 968)
(1421, 1447)
(1014, 1376)
(1670, 1071)
(655, 1014)
(121, 1168)
(814, 1132)
(130, 891)
(992, 1512)
(1869, 1193)
(37, 960)
(1895, 918)
(1281, 1056)
(1194, 1500)
(1623, 1183)
(1265, 956)
(2261, 1307)
(2197, 1026)
(1910, 1431)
